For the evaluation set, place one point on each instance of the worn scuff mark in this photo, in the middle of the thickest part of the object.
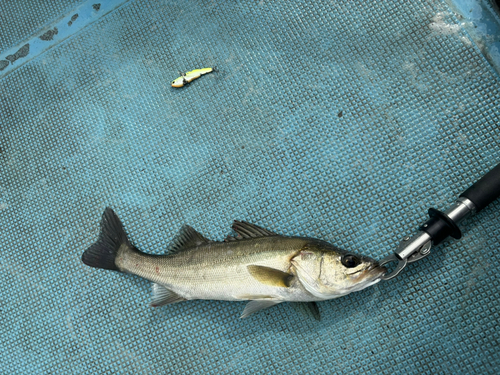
(22, 52)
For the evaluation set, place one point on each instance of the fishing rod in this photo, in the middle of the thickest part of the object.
(442, 225)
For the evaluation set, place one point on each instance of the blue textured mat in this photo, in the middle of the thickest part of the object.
(340, 121)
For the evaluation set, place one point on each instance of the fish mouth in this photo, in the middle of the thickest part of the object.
(373, 272)
(369, 276)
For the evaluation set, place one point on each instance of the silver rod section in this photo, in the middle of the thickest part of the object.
(410, 245)
(461, 209)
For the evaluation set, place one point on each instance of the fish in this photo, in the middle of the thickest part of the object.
(255, 265)
(187, 77)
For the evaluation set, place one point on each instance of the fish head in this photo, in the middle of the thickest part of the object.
(328, 272)
(178, 82)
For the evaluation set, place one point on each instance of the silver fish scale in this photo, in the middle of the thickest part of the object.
(219, 270)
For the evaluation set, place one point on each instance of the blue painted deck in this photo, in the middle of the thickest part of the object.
(335, 120)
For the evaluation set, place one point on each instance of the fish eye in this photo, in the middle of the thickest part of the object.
(350, 260)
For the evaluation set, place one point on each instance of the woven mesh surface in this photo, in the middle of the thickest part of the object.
(336, 120)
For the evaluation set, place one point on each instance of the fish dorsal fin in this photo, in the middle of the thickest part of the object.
(163, 296)
(270, 276)
(247, 230)
(187, 238)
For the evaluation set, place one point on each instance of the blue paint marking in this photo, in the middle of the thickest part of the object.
(69, 25)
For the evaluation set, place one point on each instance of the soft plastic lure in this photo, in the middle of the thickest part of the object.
(185, 78)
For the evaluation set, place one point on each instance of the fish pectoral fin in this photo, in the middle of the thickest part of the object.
(163, 296)
(254, 306)
(270, 276)
(309, 309)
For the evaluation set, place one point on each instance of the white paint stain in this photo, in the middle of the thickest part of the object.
(439, 25)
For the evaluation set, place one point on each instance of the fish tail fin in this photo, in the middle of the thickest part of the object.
(103, 252)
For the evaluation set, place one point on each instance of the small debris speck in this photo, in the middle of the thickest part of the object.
(49, 35)
(73, 19)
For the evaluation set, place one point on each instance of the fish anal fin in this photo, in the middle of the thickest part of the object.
(163, 296)
(187, 238)
(247, 230)
(270, 276)
(257, 305)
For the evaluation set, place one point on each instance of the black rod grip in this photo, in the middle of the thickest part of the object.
(486, 190)
(440, 226)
